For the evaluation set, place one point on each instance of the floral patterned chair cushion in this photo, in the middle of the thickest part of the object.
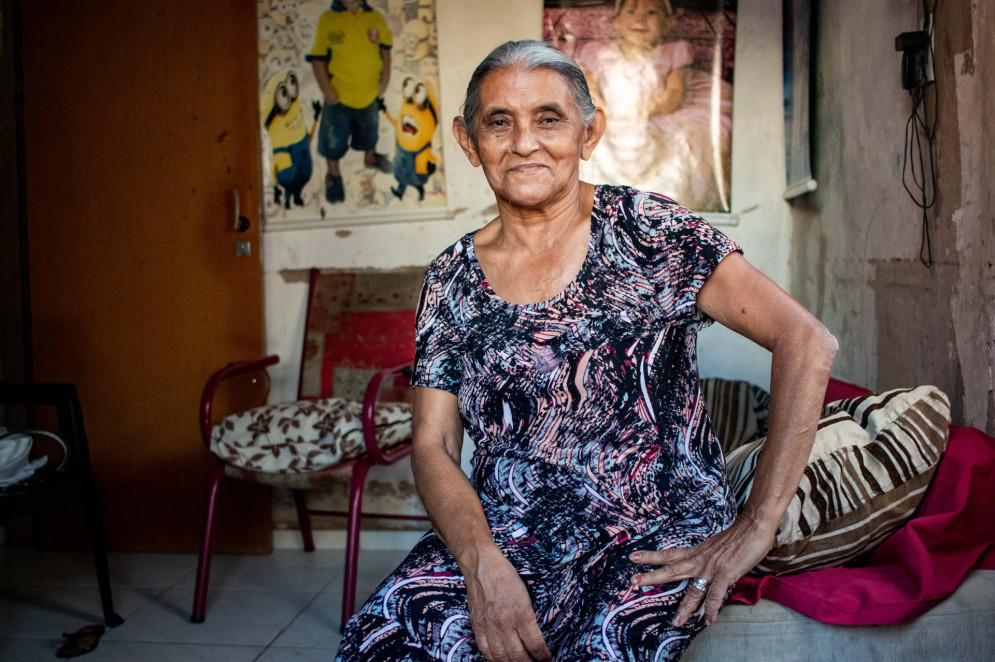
(305, 436)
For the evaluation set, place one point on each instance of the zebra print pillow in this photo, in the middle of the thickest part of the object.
(738, 411)
(870, 466)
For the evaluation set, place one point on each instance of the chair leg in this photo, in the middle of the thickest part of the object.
(304, 519)
(95, 524)
(204, 562)
(356, 484)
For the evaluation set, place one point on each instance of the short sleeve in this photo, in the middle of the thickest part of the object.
(683, 251)
(438, 339)
(322, 49)
(386, 36)
(682, 55)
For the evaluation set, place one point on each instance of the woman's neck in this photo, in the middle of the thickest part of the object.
(531, 229)
(528, 256)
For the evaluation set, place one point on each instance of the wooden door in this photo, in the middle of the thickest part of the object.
(140, 119)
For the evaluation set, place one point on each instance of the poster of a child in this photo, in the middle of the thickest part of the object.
(662, 70)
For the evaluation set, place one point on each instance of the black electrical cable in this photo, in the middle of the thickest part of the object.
(921, 128)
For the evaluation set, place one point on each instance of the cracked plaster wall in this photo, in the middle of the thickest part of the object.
(855, 247)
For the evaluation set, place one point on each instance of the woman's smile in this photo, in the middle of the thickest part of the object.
(527, 167)
(530, 136)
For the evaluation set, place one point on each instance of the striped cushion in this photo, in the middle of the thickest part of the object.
(871, 463)
(737, 409)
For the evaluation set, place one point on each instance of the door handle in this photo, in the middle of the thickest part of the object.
(241, 222)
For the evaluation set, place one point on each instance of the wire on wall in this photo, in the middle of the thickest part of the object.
(918, 160)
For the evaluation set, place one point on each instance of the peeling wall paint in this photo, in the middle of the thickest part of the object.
(855, 245)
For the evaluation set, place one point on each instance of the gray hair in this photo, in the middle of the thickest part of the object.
(528, 54)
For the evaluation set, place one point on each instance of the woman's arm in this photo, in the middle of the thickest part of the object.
(740, 297)
(501, 612)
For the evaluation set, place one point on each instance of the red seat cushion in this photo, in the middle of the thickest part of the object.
(838, 390)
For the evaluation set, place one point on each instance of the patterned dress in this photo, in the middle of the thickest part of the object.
(592, 441)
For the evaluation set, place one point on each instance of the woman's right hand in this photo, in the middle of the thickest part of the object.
(501, 613)
(500, 608)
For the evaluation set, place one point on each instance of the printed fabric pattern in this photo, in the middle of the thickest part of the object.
(592, 441)
(305, 436)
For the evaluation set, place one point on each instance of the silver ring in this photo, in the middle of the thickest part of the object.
(700, 584)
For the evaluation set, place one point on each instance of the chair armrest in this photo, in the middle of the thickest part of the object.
(367, 420)
(211, 388)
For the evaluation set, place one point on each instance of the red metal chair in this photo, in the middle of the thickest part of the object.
(248, 382)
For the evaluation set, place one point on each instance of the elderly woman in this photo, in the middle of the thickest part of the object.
(598, 524)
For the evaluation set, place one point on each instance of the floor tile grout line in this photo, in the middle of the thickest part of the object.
(297, 615)
(154, 591)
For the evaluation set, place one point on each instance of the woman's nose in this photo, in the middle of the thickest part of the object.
(525, 140)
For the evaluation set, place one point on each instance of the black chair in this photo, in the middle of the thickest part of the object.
(71, 480)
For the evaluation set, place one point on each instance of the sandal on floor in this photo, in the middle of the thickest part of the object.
(80, 642)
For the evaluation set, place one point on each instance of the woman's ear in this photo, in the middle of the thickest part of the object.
(592, 137)
(465, 141)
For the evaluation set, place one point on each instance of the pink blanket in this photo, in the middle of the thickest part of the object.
(917, 566)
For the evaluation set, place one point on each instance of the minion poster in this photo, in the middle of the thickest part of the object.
(662, 70)
(349, 111)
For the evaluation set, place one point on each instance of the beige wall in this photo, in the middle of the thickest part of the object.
(855, 256)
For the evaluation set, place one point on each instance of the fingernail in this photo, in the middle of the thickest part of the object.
(635, 556)
(636, 580)
(677, 620)
(708, 620)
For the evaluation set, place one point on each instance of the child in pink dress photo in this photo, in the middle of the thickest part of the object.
(669, 119)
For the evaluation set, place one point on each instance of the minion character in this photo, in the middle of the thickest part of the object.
(289, 136)
(417, 119)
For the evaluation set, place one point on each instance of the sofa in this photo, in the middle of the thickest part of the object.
(927, 592)
(961, 628)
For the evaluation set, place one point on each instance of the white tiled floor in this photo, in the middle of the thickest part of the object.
(275, 608)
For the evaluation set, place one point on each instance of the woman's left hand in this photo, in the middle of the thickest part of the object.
(721, 561)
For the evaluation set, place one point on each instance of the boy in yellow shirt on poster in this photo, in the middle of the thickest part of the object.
(351, 62)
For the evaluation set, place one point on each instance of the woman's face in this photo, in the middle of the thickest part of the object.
(530, 136)
(642, 22)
